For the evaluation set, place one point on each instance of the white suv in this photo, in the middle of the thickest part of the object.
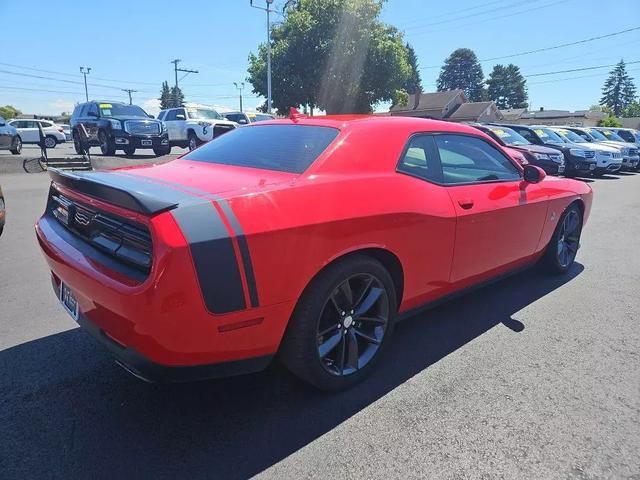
(193, 125)
(28, 130)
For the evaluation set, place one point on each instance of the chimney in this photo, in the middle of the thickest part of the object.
(417, 96)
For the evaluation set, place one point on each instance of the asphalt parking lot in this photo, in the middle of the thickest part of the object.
(532, 377)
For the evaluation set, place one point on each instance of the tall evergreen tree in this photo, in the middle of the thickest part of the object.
(177, 97)
(507, 87)
(414, 82)
(165, 96)
(618, 90)
(462, 70)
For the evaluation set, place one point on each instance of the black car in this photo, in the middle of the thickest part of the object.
(549, 159)
(578, 159)
(117, 126)
(9, 138)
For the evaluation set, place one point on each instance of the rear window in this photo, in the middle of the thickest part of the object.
(286, 148)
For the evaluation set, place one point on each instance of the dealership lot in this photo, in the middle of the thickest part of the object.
(533, 377)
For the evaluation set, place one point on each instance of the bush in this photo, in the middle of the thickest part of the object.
(610, 122)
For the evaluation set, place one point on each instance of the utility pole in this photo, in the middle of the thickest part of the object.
(129, 91)
(85, 73)
(176, 70)
(269, 11)
(240, 87)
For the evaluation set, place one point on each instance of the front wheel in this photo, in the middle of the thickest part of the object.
(107, 147)
(160, 151)
(193, 141)
(563, 246)
(77, 145)
(129, 151)
(17, 146)
(341, 324)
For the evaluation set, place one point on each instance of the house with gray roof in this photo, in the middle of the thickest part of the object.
(438, 105)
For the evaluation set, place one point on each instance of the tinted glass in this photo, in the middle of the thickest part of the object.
(259, 117)
(570, 136)
(92, 108)
(467, 159)
(527, 134)
(510, 137)
(286, 148)
(626, 136)
(236, 117)
(45, 124)
(547, 135)
(116, 110)
(420, 159)
(171, 115)
(161, 115)
(596, 134)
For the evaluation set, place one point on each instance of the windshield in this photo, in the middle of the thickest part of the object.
(119, 110)
(610, 135)
(206, 113)
(259, 117)
(596, 134)
(570, 136)
(286, 148)
(510, 137)
(548, 136)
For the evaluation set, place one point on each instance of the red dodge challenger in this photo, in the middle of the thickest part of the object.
(305, 238)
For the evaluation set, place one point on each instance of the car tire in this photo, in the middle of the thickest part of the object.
(50, 141)
(160, 151)
(129, 151)
(107, 147)
(565, 242)
(333, 339)
(77, 145)
(16, 149)
(193, 142)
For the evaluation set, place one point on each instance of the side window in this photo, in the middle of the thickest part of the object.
(527, 134)
(467, 159)
(45, 124)
(181, 112)
(93, 108)
(16, 124)
(161, 115)
(30, 124)
(626, 135)
(170, 115)
(420, 159)
(584, 135)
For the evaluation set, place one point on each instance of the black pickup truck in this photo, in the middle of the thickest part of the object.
(117, 126)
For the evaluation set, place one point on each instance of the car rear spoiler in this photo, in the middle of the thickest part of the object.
(124, 190)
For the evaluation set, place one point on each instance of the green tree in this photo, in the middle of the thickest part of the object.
(165, 96)
(618, 90)
(632, 109)
(462, 70)
(8, 112)
(334, 55)
(177, 97)
(507, 87)
(610, 122)
(414, 82)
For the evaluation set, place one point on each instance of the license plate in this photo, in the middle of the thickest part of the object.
(68, 301)
(146, 143)
(592, 166)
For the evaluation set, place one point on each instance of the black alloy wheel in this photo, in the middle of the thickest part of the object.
(16, 148)
(352, 324)
(106, 145)
(565, 242)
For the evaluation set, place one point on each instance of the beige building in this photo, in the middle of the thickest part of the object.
(579, 118)
(451, 105)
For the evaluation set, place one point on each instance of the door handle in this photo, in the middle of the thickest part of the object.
(466, 203)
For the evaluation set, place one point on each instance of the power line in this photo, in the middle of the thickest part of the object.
(578, 69)
(575, 78)
(453, 12)
(562, 45)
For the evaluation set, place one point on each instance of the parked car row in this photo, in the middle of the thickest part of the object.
(568, 151)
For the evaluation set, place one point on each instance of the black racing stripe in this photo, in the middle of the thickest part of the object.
(244, 252)
(213, 255)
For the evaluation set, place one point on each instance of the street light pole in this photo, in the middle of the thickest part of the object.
(240, 87)
(269, 11)
(129, 91)
(85, 73)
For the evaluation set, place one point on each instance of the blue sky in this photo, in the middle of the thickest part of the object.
(129, 44)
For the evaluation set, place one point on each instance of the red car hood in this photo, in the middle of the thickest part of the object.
(216, 179)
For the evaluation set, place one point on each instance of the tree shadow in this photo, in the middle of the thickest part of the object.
(69, 412)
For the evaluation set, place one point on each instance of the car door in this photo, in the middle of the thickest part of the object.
(180, 124)
(5, 135)
(499, 216)
(170, 121)
(28, 131)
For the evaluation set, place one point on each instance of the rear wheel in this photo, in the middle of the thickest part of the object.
(107, 147)
(50, 141)
(563, 246)
(16, 148)
(341, 325)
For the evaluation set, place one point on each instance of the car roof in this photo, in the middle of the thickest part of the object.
(364, 121)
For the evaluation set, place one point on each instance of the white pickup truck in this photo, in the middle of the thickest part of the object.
(193, 125)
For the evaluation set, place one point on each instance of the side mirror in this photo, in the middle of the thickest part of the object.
(533, 174)
(2, 124)
(180, 117)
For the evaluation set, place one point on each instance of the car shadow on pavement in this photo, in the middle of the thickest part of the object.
(68, 412)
